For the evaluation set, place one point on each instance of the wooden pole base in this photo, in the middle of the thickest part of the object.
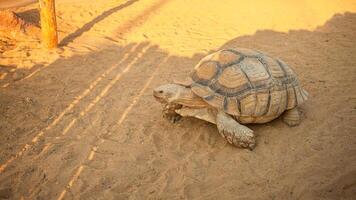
(48, 23)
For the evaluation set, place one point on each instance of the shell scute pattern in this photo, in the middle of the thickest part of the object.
(232, 106)
(215, 99)
(274, 67)
(246, 52)
(275, 97)
(245, 82)
(231, 78)
(261, 103)
(201, 90)
(254, 69)
(226, 57)
(248, 105)
(287, 70)
(206, 71)
(290, 101)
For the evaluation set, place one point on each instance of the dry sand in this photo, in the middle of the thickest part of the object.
(79, 122)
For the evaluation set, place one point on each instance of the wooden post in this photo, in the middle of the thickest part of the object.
(48, 23)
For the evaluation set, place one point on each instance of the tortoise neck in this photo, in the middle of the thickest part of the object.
(186, 97)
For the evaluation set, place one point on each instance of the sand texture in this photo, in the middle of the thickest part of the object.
(80, 122)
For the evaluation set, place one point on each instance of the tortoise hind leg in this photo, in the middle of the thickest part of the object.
(291, 117)
(235, 133)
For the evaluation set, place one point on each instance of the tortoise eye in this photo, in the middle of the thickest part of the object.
(161, 91)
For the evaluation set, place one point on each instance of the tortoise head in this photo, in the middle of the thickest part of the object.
(167, 93)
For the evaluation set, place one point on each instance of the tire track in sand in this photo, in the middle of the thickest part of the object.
(68, 109)
(122, 118)
(102, 94)
(123, 29)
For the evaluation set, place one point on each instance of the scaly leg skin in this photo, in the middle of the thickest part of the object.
(169, 112)
(235, 133)
(291, 117)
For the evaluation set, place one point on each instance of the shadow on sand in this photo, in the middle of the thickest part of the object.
(69, 38)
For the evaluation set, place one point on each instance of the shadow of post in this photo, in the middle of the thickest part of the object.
(69, 38)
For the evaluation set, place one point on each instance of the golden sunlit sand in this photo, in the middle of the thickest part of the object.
(189, 26)
(80, 122)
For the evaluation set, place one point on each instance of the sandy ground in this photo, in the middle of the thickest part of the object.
(79, 122)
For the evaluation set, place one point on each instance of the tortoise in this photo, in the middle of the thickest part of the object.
(232, 87)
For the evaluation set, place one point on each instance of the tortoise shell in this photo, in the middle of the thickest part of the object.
(244, 82)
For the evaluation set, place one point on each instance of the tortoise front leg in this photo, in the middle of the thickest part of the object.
(235, 133)
(169, 112)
